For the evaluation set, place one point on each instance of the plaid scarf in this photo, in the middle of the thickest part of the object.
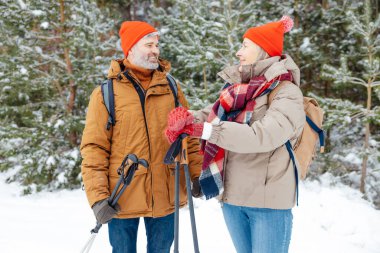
(236, 103)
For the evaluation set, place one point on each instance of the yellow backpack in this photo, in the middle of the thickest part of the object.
(305, 148)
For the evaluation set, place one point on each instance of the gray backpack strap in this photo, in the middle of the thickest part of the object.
(109, 101)
(174, 88)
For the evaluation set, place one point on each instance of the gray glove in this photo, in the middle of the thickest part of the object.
(196, 189)
(104, 212)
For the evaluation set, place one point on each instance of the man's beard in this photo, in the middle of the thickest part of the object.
(143, 62)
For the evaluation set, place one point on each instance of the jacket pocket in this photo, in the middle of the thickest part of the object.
(120, 131)
(135, 198)
(170, 169)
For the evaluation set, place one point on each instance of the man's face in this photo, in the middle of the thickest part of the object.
(145, 53)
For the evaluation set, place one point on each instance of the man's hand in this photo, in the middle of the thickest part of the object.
(104, 212)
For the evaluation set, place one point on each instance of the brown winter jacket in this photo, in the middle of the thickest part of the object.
(151, 193)
(258, 169)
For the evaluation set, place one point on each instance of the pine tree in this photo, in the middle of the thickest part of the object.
(53, 56)
(365, 27)
(200, 38)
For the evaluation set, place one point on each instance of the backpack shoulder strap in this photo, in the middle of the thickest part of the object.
(274, 92)
(174, 88)
(109, 101)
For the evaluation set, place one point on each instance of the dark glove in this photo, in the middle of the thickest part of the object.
(196, 189)
(104, 212)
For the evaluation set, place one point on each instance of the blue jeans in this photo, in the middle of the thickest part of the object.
(258, 230)
(159, 232)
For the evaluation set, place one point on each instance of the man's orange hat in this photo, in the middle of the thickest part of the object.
(131, 32)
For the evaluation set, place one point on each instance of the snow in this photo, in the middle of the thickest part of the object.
(44, 25)
(330, 218)
(347, 119)
(164, 30)
(209, 55)
(37, 13)
(6, 88)
(51, 160)
(22, 4)
(59, 123)
(353, 158)
(305, 45)
(373, 143)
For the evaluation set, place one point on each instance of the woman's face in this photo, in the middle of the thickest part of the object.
(248, 52)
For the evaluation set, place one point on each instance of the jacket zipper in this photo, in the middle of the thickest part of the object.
(138, 87)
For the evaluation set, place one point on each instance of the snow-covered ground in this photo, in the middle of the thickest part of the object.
(329, 219)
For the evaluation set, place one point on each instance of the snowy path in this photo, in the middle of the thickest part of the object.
(332, 220)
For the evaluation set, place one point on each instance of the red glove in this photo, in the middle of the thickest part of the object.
(178, 118)
(180, 121)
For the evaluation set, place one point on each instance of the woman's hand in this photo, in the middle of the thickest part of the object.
(180, 120)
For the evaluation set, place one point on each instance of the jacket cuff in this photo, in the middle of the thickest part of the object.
(215, 133)
(207, 129)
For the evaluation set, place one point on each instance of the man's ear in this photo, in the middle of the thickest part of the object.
(130, 53)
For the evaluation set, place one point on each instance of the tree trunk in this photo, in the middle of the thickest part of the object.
(367, 135)
(297, 40)
(365, 158)
(134, 8)
(69, 69)
(156, 4)
(367, 125)
(325, 4)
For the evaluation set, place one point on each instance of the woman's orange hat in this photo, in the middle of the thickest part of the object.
(270, 37)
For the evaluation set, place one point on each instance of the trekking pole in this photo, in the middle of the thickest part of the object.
(178, 153)
(176, 213)
(185, 163)
(124, 180)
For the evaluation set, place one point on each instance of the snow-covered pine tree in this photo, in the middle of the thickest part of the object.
(53, 55)
(201, 37)
(365, 29)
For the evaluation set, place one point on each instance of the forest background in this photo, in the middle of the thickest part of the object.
(54, 53)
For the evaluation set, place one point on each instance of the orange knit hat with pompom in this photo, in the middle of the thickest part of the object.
(270, 37)
(131, 32)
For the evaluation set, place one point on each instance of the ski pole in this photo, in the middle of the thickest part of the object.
(125, 179)
(185, 163)
(177, 153)
(176, 213)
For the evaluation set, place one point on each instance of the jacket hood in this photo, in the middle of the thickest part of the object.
(270, 68)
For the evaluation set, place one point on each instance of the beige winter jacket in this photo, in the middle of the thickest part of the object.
(258, 169)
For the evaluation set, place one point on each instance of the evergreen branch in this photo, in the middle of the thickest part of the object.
(375, 84)
(44, 56)
(46, 37)
(356, 80)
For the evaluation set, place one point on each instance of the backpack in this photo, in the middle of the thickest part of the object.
(108, 96)
(304, 150)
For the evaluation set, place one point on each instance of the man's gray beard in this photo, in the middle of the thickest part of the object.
(144, 63)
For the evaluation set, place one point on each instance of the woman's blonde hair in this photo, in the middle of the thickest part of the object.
(262, 54)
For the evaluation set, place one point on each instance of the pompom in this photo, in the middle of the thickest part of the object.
(287, 22)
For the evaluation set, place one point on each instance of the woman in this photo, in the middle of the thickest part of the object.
(246, 162)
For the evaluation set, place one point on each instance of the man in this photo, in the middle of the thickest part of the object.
(143, 99)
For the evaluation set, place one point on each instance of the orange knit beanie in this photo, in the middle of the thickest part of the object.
(270, 36)
(131, 32)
